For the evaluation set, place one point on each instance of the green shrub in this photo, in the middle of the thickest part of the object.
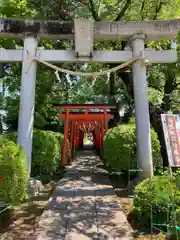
(120, 148)
(11, 136)
(45, 153)
(13, 187)
(132, 120)
(163, 194)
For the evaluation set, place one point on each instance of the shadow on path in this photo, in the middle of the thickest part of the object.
(84, 205)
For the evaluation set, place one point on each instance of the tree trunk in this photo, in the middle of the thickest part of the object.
(155, 119)
(112, 92)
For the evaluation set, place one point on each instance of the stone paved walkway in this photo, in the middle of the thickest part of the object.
(84, 205)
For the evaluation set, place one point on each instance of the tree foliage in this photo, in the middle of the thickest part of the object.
(13, 172)
(118, 89)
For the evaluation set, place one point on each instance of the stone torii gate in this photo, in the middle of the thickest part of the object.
(84, 32)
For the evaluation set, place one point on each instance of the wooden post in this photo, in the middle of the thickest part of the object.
(82, 139)
(75, 137)
(105, 120)
(93, 139)
(71, 142)
(98, 135)
(102, 134)
(65, 139)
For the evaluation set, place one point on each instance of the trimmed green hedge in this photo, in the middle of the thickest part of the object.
(13, 187)
(46, 151)
(120, 148)
(163, 194)
(11, 136)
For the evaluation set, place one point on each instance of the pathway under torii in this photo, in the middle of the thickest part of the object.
(84, 32)
(84, 205)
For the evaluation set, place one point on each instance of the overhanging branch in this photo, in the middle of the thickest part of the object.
(142, 9)
(122, 12)
(142, 5)
(159, 88)
(177, 84)
(158, 9)
(174, 101)
(93, 11)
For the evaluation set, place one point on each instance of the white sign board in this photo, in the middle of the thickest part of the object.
(171, 128)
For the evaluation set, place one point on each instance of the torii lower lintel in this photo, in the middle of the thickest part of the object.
(56, 56)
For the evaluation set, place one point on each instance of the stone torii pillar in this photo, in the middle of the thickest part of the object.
(27, 97)
(143, 136)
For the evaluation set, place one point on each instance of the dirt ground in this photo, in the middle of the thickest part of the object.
(22, 222)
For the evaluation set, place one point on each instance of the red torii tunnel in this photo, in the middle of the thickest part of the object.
(84, 122)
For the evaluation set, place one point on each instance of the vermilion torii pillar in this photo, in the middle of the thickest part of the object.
(84, 32)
